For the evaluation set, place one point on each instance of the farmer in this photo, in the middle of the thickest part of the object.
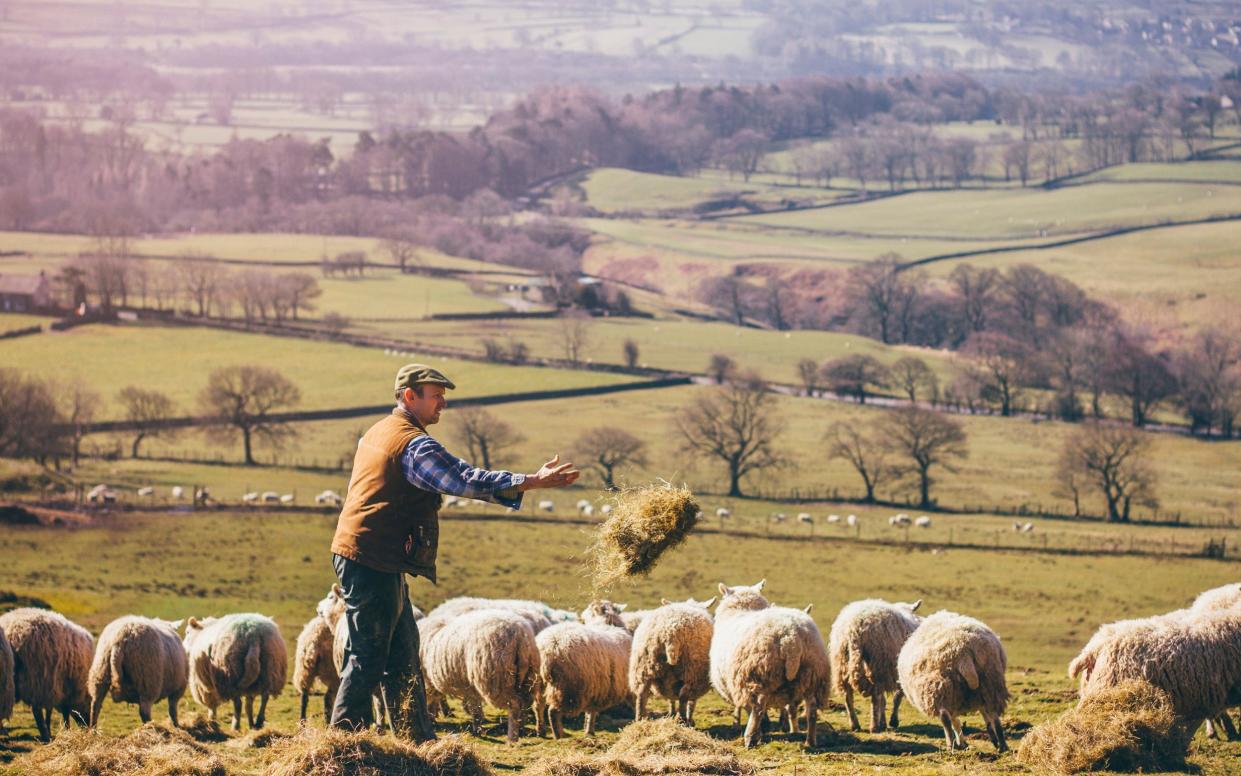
(389, 527)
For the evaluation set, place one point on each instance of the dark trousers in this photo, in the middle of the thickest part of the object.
(382, 652)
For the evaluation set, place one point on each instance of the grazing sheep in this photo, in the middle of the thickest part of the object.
(101, 494)
(51, 665)
(1027, 527)
(1219, 599)
(833, 518)
(633, 619)
(899, 521)
(923, 521)
(313, 660)
(865, 641)
(606, 509)
(146, 492)
(1193, 655)
(250, 498)
(138, 660)
(539, 614)
(851, 520)
(329, 497)
(584, 666)
(177, 492)
(672, 655)
(234, 657)
(546, 505)
(723, 512)
(953, 664)
(288, 498)
(7, 698)
(765, 656)
(805, 517)
(270, 497)
(486, 655)
(582, 504)
(588, 510)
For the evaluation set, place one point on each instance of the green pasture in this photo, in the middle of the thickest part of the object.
(178, 360)
(14, 321)
(1044, 608)
(611, 190)
(1226, 171)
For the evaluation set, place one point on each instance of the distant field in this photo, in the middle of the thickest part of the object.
(610, 190)
(1227, 170)
(178, 360)
(14, 321)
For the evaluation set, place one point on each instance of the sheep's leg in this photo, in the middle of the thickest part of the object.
(878, 715)
(557, 722)
(786, 719)
(754, 725)
(305, 702)
(996, 730)
(690, 706)
(812, 724)
(96, 707)
(639, 706)
(590, 723)
(736, 715)
(250, 711)
(262, 718)
(144, 711)
(41, 722)
(514, 721)
(236, 714)
(854, 725)
(950, 731)
(1226, 723)
(172, 709)
(897, 697)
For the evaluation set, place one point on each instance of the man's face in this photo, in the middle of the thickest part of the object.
(428, 406)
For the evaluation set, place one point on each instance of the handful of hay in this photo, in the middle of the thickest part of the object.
(653, 748)
(1129, 727)
(644, 523)
(154, 748)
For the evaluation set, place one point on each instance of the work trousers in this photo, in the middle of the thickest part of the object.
(381, 653)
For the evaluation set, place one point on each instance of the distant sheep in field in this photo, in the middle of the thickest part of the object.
(329, 498)
(234, 657)
(582, 504)
(606, 509)
(778, 517)
(1027, 527)
(899, 521)
(138, 660)
(805, 517)
(864, 644)
(833, 518)
(584, 666)
(7, 693)
(288, 498)
(250, 498)
(723, 512)
(270, 497)
(51, 665)
(923, 521)
(951, 665)
(588, 511)
(539, 614)
(146, 492)
(177, 492)
(101, 494)
(547, 505)
(487, 655)
(851, 520)
(765, 656)
(671, 655)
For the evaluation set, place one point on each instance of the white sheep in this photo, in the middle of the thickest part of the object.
(851, 520)
(606, 509)
(588, 511)
(146, 492)
(951, 665)
(864, 643)
(539, 614)
(1027, 527)
(833, 518)
(7, 693)
(287, 498)
(765, 656)
(486, 655)
(923, 521)
(329, 497)
(582, 504)
(270, 497)
(778, 517)
(723, 512)
(899, 521)
(584, 666)
(234, 657)
(671, 655)
(250, 498)
(312, 661)
(51, 665)
(177, 492)
(547, 505)
(138, 660)
(101, 494)
(805, 517)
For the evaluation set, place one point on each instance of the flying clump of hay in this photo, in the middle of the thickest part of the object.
(651, 748)
(334, 752)
(1129, 727)
(645, 522)
(155, 749)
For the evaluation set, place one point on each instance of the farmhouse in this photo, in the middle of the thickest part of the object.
(24, 293)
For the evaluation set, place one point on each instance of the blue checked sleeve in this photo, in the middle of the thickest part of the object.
(430, 467)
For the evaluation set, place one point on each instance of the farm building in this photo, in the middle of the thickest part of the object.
(24, 293)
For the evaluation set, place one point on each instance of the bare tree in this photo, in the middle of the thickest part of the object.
(1003, 365)
(1113, 459)
(737, 424)
(721, 368)
(1210, 381)
(203, 279)
(243, 399)
(401, 247)
(630, 351)
(861, 448)
(1135, 369)
(81, 406)
(148, 410)
(915, 378)
(574, 335)
(883, 293)
(31, 426)
(811, 377)
(855, 375)
(926, 440)
(605, 448)
(300, 289)
(487, 438)
(976, 291)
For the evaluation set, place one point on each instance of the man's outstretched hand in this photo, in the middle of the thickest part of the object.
(554, 474)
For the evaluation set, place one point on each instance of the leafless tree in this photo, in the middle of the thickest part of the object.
(925, 440)
(488, 439)
(737, 424)
(1210, 380)
(727, 295)
(81, 406)
(1114, 460)
(811, 375)
(855, 375)
(300, 289)
(976, 291)
(864, 452)
(721, 368)
(574, 335)
(401, 247)
(243, 399)
(148, 410)
(1133, 367)
(883, 292)
(31, 425)
(1003, 366)
(203, 279)
(915, 378)
(605, 448)
(630, 351)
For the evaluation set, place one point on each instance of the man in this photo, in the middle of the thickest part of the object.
(389, 527)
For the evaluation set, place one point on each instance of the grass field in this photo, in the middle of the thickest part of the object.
(14, 321)
(1044, 608)
(1224, 171)
(610, 190)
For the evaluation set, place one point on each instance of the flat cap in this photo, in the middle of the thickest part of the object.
(413, 374)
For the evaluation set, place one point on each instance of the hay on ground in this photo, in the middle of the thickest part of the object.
(202, 728)
(155, 749)
(333, 752)
(651, 747)
(645, 522)
(1129, 727)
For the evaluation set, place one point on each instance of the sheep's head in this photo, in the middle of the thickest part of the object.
(707, 604)
(742, 598)
(911, 608)
(332, 606)
(193, 627)
(603, 612)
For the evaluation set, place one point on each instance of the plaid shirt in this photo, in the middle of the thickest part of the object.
(428, 466)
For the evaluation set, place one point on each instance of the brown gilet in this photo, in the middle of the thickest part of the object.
(386, 523)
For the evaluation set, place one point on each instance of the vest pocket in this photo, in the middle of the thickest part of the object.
(422, 543)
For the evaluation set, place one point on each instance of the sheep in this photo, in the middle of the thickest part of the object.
(177, 492)
(606, 509)
(233, 657)
(671, 655)
(864, 642)
(953, 664)
(288, 498)
(899, 521)
(1027, 527)
(588, 511)
(633, 619)
(582, 504)
(329, 497)
(546, 505)
(486, 655)
(778, 517)
(833, 518)
(101, 494)
(723, 512)
(1194, 655)
(805, 517)
(584, 666)
(146, 492)
(51, 665)
(765, 656)
(138, 660)
(7, 698)
(313, 660)
(539, 614)
(1016, 527)
(270, 497)
(923, 521)
(851, 520)
(1219, 599)
(250, 498)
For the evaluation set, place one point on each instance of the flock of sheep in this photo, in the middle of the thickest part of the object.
(516, 655)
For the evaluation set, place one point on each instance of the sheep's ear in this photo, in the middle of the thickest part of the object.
(914, 606)
(759, 586)
(709, 603)
(338, 590)
(664, 602)
(176, 624)
(808, 608)
(621, 607)
(724, 589)
(193, 623)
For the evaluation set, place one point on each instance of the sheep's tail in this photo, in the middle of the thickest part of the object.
(791, 653)
(252, 665)
(672, 652)
(968, 671)
(1083, 664)
(116, 667)
(856, 668)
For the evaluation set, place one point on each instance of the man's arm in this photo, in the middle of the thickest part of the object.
(430, 467)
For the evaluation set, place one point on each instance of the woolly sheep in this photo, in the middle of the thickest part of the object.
(923, 521)
(138, 660)
(606, 509)
(486, 655)
(671, 655)
(1027, 527)
(723, 512)
(250, 498)
(765, 656)
(588, 511)
(51, 665)
(547, 506)
(329, 497)
(146, 491)
(900, 520)
(1219, 599)
(234, 657)
(269, 497)
(313, 660)
(288, 498)
(833, 518)
(539, 614)
(582, 504)
(1193, 655)
(851, 520)
(805, 517)
(864, 643)
(584, 666)
(633, 619)
(7, 698)
(177, 492)
(951, 665)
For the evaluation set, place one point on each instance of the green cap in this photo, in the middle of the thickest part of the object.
(413, 374)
